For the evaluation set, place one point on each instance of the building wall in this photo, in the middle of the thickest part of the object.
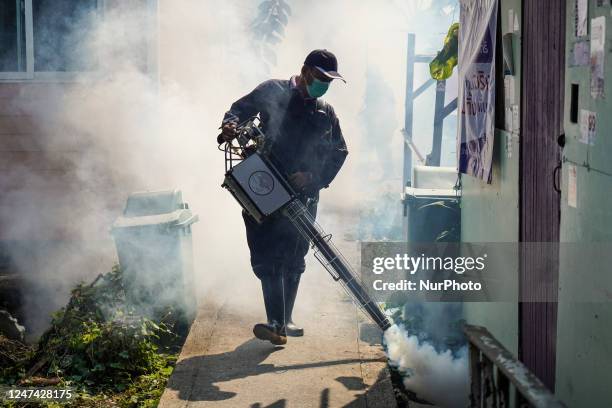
(584, 335)
(59, 189)
(43, 211)
(40, 153)
(32, 172)
(490, 212)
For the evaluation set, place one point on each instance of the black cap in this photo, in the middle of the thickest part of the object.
(325, 62)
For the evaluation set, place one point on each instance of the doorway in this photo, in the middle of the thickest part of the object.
(543, 73)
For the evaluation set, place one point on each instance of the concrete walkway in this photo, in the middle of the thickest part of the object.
(222, 365)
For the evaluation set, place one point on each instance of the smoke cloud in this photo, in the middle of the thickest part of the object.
(438, 377)
(124, 128)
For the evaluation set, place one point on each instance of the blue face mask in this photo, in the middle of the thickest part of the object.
(317, 88)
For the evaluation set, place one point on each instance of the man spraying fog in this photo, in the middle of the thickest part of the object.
(304, 140)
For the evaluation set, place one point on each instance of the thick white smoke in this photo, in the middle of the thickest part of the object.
(125, 131)
(120, 130)
(438, 377)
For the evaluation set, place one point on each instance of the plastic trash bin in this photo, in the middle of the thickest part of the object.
(154, 246)
(432, 206)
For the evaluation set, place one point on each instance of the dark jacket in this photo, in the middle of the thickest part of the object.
(301, 135)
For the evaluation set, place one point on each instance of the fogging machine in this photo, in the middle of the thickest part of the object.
(261, 188)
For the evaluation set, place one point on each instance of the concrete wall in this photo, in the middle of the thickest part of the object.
(584, 335)
(490, 212)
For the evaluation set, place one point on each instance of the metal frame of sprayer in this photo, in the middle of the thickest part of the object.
(262, 190)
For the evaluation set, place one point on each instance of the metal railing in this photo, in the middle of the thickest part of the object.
(498, 379)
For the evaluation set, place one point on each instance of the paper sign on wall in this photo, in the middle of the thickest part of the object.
(517, 28)
(581, 54)
(572, 188)
(580, 17)
(508, 145)
(598, 38)
(508, 120)
(516, 119)
(588, 126)
(509, 90)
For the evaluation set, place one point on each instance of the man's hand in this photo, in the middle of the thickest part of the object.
(228, 132)
(300, 179)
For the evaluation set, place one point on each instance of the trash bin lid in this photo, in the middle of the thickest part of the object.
(417, 195)
(433, 177)
(153, 203)
(432, 192)
(155, 208)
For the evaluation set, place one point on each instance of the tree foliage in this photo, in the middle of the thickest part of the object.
(268, 28)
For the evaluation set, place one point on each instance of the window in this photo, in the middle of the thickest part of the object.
(47, 39)
(42, 37)
(60, 29)
(12, 36)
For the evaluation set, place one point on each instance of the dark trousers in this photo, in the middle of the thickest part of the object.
(277, 257)
(276, 246)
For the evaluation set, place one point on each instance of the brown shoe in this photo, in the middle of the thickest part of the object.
(269, 332)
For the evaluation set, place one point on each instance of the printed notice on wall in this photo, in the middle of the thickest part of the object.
(581, 54)
(508, 120)
(477, 33)
(509, 145)
(509, 90)
(572, 188)
(517, 28)
(580, 18)
(598, 38)
(588, 126)
(516, 118)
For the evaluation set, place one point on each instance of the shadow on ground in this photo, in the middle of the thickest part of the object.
(245, 361)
